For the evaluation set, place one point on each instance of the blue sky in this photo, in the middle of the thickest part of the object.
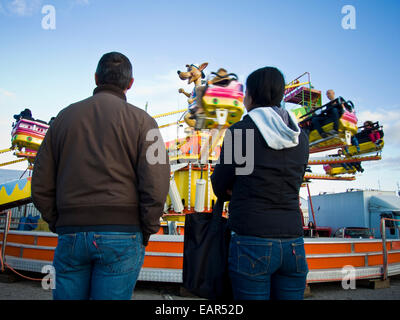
(47, 70)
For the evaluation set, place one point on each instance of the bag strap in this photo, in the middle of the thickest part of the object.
(217, 209)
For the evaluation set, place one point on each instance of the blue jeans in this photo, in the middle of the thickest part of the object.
(332, 114)
(263, 269)
(97, 265)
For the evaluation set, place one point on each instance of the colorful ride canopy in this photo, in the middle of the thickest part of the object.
(15, 193)
(28, 134)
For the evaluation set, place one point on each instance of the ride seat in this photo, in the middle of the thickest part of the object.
(223, 105)
(363, 137)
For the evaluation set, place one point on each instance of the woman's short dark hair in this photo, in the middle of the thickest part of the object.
(266, 87)
(114, 68)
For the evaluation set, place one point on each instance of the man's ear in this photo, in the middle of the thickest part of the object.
(130, 83)
(96, 79)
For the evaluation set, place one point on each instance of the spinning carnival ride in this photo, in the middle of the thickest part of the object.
(190, 181)
(26, 138)
(344, 164)
(193, 157)
(192, 160)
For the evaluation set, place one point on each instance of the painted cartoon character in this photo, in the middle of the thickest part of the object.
(220, 86)
(193, 75)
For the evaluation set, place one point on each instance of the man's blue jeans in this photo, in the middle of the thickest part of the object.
(333, 115)
(97, 265)
(263, 269)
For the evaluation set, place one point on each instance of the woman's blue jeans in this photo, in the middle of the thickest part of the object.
(263, 269)
(97, 265)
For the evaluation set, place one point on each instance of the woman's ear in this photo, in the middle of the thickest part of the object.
(248, 101)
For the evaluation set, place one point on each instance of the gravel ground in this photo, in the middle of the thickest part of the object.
(32, 290)
(334, 291)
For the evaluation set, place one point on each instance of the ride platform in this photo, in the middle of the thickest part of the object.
(336, 160)
(31, 250)
(304, 96)
(315, 176)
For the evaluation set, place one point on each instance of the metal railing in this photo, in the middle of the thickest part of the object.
(7, 215)
(17, 213)
(9, 220)
(384, 248)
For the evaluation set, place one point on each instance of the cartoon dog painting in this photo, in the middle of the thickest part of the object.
(212, 100)
(194, 75)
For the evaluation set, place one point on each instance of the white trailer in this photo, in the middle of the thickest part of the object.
(361, 208)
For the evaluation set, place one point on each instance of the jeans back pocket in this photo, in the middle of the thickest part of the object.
(119, 251)
(253, 258)
(301, 261)
(65, 257)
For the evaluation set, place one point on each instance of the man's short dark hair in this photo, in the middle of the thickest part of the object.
(114, 68)
(266, 87)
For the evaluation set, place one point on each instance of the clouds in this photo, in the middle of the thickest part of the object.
(392, 166)
(82, 2)
(160, 85)
(390, 119)
(6, 93)
(27, 8)
(21, 8)
(161, 92)
(380, 114)
(388, 162)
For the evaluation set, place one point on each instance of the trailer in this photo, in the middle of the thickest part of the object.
(358, 208)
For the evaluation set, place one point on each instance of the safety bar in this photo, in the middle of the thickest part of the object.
(290, 86)
(303, 74)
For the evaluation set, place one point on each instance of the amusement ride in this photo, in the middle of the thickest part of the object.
(214, 104)
(193, 157)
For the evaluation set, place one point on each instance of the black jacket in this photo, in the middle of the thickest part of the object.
(264, 203)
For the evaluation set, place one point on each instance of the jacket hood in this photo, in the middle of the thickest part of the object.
(273, 128)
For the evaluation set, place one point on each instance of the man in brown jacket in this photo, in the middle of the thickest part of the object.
(97, 188)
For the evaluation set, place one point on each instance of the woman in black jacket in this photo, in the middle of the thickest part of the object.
(267, 258)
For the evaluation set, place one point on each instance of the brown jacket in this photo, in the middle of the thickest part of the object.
(91, 168)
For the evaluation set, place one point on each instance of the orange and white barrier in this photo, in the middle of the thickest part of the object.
(326, 257)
